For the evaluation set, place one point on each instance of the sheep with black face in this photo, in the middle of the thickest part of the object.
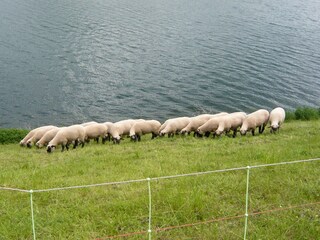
(47, 137)
(210, 126)
(197, 121)
(276, 118)
(73, 134)
(39, 134)
(231, 122)
(257, 119)
(173, 125)
(144, 127)
(121, 128)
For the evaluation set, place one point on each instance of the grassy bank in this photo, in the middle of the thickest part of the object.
(102, 211)
(12, 135)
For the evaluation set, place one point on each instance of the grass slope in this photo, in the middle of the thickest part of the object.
(110, 210)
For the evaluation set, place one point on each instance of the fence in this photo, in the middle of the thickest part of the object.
(149, 231)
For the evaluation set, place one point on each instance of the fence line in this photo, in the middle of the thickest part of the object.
(159, 178)
(246, 215)
(14, 189)
(210, 221)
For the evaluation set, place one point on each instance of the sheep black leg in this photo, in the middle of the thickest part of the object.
(62, 148)
(76, 142)
(252, 131)
(207, 134)
(153, 135)
(234, 133)
(97, 139)
(139, 138)
(227, 134)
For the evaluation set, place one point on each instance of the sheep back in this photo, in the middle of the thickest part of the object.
(96, 130)
(197, 121)
(256, 119)
(68, 135)
(47, 137)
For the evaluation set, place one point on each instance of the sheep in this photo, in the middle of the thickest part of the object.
(197, 121)
(67, 135)
(96, 130)
(168, 121)
(144, 127)
(230, 122)
(108, 125)
(174, 125)
(87, 123)
(39, 134)
(24, 141)
(276, 118)
(210, 126)
(47, 137)
(256, 119)
(121, 128)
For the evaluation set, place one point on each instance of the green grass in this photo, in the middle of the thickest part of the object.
(98, 212)
(11, 135)
(303, 113)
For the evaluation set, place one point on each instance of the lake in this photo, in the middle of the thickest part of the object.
(64, 62)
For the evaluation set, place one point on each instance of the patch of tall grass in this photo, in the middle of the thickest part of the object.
(303, 113)
(12, 135)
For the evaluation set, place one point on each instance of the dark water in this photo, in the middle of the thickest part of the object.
(67, 61)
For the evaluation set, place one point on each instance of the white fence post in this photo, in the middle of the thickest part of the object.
(150, 208)
(247, 205)
(32, 215)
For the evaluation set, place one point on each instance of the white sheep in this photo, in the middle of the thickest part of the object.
(108, 125)
(231, 122)
(73, 134)
(38, 135)
(209, 126)
(144, 127)
(174, 125)
(87, 123)
(197, 121)
(24, 141)
(47, 137)
(96, 130)
(256, 119)
(276, 118)
(121, 128)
